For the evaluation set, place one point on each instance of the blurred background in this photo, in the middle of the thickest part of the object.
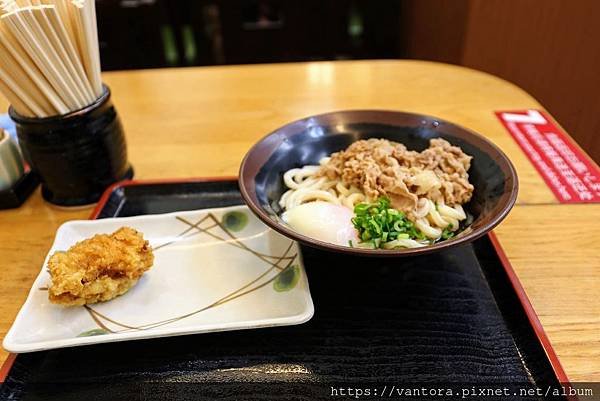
(550, 48)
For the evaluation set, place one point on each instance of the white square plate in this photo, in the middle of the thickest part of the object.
(214, 270)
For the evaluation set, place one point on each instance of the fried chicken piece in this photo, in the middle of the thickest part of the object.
(99, 268)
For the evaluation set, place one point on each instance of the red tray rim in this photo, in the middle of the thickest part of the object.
(514, 280)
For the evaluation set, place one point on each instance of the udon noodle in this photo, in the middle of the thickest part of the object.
(428, 187)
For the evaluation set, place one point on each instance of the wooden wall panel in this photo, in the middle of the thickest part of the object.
(549, 48)
(433, 29)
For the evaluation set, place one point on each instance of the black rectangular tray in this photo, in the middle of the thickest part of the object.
(457, 318)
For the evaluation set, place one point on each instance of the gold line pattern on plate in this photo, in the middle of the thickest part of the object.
(273, 263)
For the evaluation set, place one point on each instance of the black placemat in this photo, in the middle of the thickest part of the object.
(447, 320)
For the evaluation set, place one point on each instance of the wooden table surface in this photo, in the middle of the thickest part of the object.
(197, 122)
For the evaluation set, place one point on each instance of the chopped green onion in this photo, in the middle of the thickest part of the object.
(378, 223)
(447, 233)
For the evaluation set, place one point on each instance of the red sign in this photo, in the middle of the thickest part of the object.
(569, 172)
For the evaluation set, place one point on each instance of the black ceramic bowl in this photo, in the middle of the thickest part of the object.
(306, 141)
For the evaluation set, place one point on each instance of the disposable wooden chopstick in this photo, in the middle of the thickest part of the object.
(62, 7)
(21, 71)
(62, 61)
(24, 102)
(8, 5)
(48, 56)
(17, 103)
(66, 15)
(91, 4)
(45, 92)
(12, 67)
(76, 23)
(61, 30)
(81, 23)
(33, 50)
(19, 54)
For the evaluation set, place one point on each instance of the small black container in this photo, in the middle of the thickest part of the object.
(77, 155)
